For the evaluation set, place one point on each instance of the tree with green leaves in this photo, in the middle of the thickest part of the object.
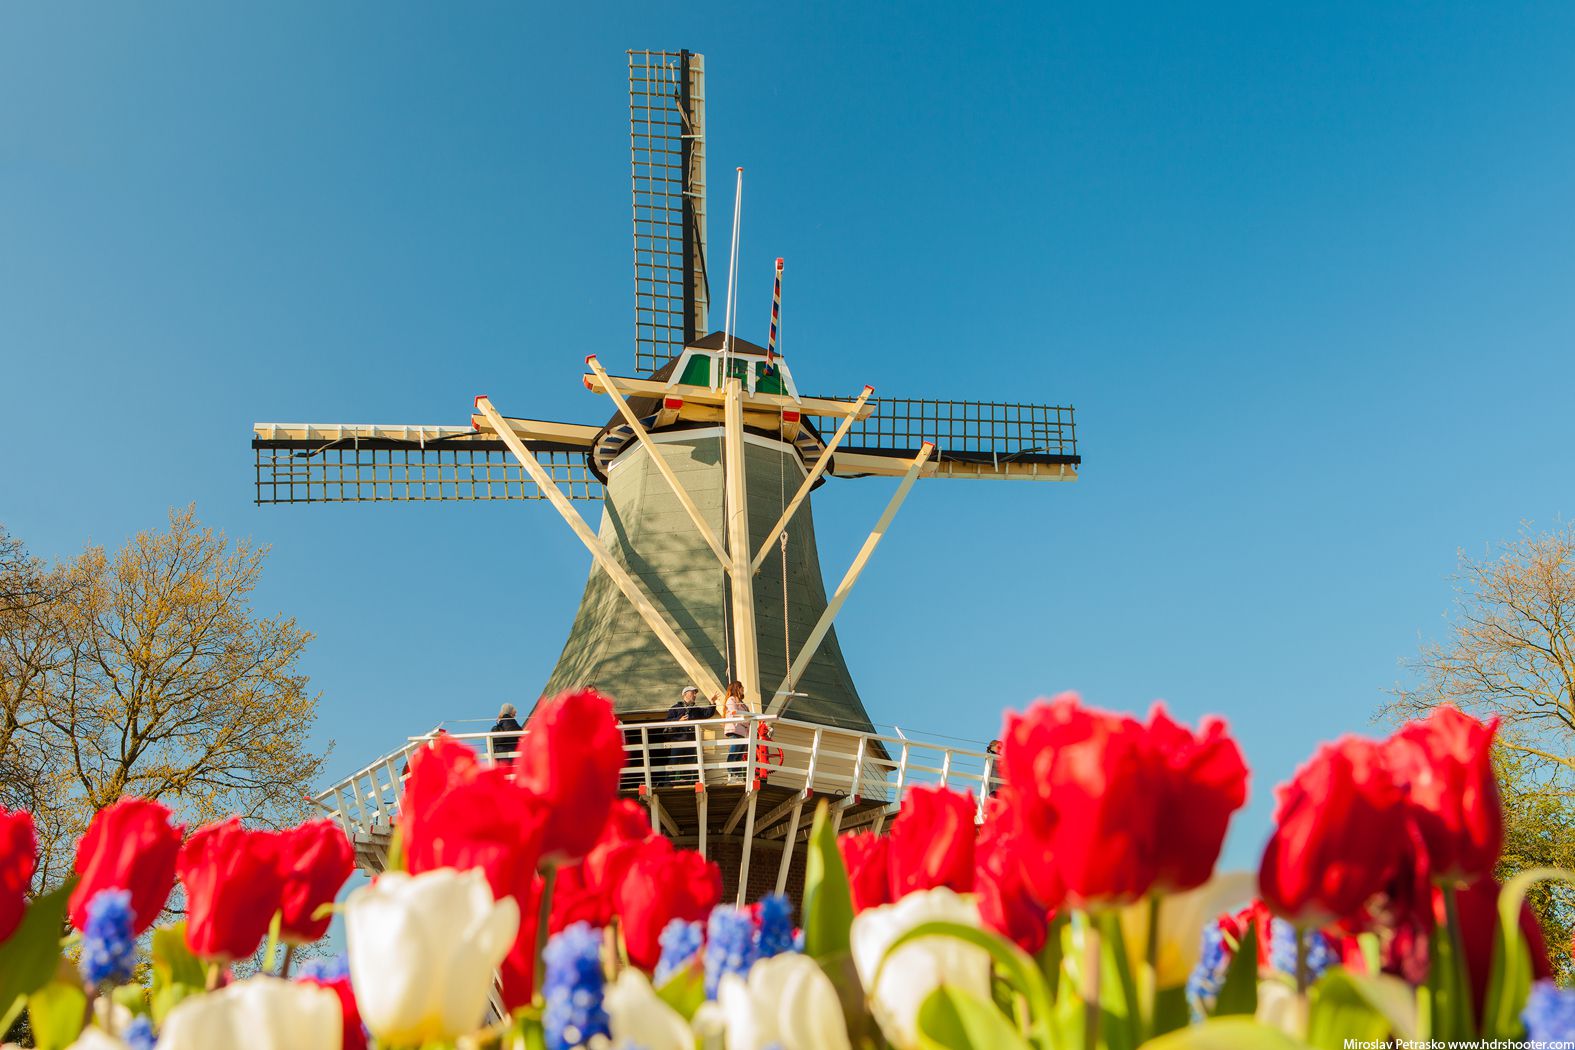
(1510, 653)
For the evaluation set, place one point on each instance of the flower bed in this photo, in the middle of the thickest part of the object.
(1085, 912)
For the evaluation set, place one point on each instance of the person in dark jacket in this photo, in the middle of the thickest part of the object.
(687, 709)
(507, 723)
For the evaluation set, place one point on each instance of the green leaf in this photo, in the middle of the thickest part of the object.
(1120, 1016)
(1226, 1033)
(684, 991)
(133, 997)
(950, 1019)
(1344, 1005)
(177, 973)
(173, 962)
(1016, 967)
(828, 899)
(1509, 982)
(396, 849)
(57, 1012)
(1239, 993)
(1170, 1010)
(29, 957)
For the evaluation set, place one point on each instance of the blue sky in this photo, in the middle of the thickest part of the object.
(1304, 273)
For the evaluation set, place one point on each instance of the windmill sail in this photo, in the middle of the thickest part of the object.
(973, 439)
(358, 463)
(667, 178)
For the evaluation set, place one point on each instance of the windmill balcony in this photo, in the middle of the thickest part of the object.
(704, 791)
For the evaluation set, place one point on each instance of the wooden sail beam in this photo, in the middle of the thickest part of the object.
(697, 671)
(746, 646)
(852, 462)
(809, 481)
(537, 431)
(822, 625)
(662, 466)
(810, 406)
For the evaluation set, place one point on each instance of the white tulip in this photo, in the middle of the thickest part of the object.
(915, 970)
(92, 1038)
(423, 950)
(639, 1017)
(260, 1013)
(1182, 917)
(788, 1001)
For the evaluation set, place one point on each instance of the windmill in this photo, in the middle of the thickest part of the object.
(704, 565)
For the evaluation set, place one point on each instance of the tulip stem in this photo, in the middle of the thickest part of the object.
(1301, 961)
(1148, 979)
(549, 878)
(1091, 976)
(1457, 980)
(289, 956)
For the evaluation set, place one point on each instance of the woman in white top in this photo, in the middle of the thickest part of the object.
(735, 709)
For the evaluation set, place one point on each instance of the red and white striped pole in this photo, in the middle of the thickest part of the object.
(776, 317)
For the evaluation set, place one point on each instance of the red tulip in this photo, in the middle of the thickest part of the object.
(663, 884)
(130, 845)
(18, 862)
(437, 766)
(1205, 781)
(518, 969)
(932, 841)
(570, 758)
(233, 888)
(354, 1035)
(584, 891)
(1445, 765)
(867, 857)
(315, 861)
(1477, 906)
(484, 822)
(1340, 836)
(457, 813)
(1088, 786)
(1005, 904)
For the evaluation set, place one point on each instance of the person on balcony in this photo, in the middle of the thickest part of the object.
(687, 709)
(736, 710)
(508, 723)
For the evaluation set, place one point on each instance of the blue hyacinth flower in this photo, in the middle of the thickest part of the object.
(730, 946)
(1549, 1015)
(109, 951)
(681, 941)
(776, 927)
(572, 989)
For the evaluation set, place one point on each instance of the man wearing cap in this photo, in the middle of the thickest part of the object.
(687, 709)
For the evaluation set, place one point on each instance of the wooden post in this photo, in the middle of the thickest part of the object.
(749, 842)
(809, 482)
(822, 625)
(746, 661)
(787, 846)
(697, 671)
(701, 799)
(662, 465)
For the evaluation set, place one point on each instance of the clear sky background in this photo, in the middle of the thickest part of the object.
(1305, 274)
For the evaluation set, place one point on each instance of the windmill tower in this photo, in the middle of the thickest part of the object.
(704, 565)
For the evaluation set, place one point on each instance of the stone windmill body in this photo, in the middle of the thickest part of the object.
(704, 564)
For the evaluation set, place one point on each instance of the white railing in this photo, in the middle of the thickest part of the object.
(803, 756)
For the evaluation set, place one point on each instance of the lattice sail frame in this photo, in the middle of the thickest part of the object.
(364, 464)
(667, 181)
(984, 432)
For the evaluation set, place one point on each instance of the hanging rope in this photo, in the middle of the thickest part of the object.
(787, 640)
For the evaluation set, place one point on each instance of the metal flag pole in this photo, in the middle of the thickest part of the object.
(776, 317)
